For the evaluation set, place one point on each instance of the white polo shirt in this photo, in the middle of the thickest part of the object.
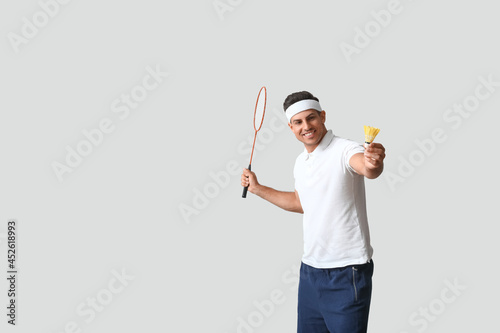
(332, 195)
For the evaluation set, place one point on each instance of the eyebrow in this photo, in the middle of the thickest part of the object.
(308, 116)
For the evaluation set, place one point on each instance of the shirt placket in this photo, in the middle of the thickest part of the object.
(310, 159)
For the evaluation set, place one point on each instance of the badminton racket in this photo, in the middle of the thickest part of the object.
(260, 107)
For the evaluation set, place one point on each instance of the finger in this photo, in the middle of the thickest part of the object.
(378, 151)
(369, 149)
(372, 159)
(375, 149)
(372, 165)
(376, 157)
(376, 145)
(372, 155)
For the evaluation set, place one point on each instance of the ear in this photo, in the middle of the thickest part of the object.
(290, 125)
(323, 116)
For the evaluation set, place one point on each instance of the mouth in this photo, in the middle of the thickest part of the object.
(309, 134)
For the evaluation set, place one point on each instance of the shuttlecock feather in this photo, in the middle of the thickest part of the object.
(370, 134)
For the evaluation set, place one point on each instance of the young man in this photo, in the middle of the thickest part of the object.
(336, 271)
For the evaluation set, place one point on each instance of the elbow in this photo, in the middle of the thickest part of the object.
(295, 209)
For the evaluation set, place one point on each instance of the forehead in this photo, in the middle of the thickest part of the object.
(304, 114)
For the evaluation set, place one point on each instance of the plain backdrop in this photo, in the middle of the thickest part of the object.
(158, 198)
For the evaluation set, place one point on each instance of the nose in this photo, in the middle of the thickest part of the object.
(307, 124)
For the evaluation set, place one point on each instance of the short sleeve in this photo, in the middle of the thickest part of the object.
(350, 150)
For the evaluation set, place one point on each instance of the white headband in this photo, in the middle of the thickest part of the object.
(303, 105)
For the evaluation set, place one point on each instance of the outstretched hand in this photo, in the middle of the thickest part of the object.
(374, 156)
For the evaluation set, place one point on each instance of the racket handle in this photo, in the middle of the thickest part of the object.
(245, 189)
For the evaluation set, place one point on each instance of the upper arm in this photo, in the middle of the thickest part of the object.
(299, 205)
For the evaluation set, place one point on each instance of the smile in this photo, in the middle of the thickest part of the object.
(309, 134)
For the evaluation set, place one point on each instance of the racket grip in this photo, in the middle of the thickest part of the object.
(245, 189)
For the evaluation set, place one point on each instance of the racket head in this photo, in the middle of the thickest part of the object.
(260, 109)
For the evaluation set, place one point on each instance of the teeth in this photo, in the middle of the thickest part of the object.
(308, 134)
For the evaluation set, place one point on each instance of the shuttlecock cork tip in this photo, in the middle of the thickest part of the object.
(370, 134)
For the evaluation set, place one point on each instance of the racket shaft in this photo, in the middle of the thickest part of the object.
(245, 189)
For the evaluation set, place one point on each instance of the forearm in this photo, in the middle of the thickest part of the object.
(284, 200)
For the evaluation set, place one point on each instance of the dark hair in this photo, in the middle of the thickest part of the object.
(297, 96)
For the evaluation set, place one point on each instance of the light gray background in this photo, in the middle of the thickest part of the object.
(120, 209)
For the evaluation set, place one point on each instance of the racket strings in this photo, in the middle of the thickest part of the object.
(263, 111)
(261, 120)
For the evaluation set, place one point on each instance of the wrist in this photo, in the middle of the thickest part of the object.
(257, 189)
(373, 172)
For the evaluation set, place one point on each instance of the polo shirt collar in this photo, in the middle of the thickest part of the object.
(325, 142)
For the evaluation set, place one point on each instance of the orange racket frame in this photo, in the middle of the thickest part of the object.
(245, 189)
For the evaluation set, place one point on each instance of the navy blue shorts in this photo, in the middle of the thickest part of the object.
(334, 300)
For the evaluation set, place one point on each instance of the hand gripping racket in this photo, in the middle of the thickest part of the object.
(260, 107)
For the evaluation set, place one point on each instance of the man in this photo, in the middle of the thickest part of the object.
(336, 271)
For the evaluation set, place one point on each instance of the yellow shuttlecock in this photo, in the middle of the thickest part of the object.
(370, 134)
